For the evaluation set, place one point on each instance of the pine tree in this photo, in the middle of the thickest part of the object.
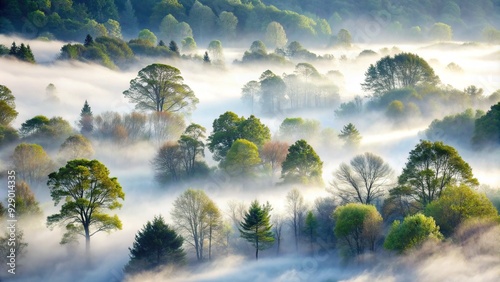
(86, 120)
(88, 41)
(13, 49)
(162, 44)
(256, 227)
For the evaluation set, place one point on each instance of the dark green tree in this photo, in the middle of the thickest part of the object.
(88, 193)
(487, 128)
(88, 41)
(155, 245)
(160, 88)
(412, 232)
(402, 71)
(256, 227)
(172, 46)
(86, 121)
(430, 168)
(302, 165)
(224, 133)
(206, 58)
(310, 228)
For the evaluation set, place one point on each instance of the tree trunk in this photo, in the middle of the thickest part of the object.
(87, 245)
(210, 243)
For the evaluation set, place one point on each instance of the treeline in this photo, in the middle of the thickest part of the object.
(229, 20)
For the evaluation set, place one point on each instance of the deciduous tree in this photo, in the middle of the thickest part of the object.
(88, 193)
(160, 88)
(302, 165)
(241, 159)
(31, 162)
(296, 210)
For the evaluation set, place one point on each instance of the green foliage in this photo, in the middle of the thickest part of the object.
(357, 227)
(350, 135)
(148, 36)
(430, 168)
(487, 128)
(455, 129)
(155, 245)
(188, 44)
(160, 88)
(31, 162)
(22, 52)
(241, 159)
(275, 35)
(302, 165)
(415, 230)
(297, 128)
(76, 147)
(8, 135)
(7, 106)
(87, 193)
(26, 204)
(229, 127)
(86, 121)
(458, 204)
(256, 227)
(401, 71)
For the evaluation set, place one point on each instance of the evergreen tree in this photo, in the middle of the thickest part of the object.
(256, 227)
(86, 119)
(162, 44)
(88, 40)
(13, 49)
(174, 48)
(156, 244)
(350, 135)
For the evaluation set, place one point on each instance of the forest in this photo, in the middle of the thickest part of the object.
(238, 140)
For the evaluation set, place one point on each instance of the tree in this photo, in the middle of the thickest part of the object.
(296, 208)
(160, 88)
(275, 35)
(487, 128)
(365, 180)
(458, 204)
(402, 71)
(274, 153)
(33, 125)
(31, 162)
(440, 32)
(350, 135)
(227, 23)
(357, 226)
(302, 165)
(167, 27)
(194, 215)
(224, 133)
(155, 245)
(216, 52)
(172, 46)
(249, 92)
(167, 162)
(241, 159)
(256, 227)
(253, 130)
(192, 147)
(310, 228)
(88, 41)
(7, 106)
(430, 168)
(86, 121)
(414, 230)
(188, 44)
(76, 147)
(344, 38)
(25, 201)
(148, 37)
(454, 129)
(278, 222)
(214, 224)
(206, 58)
(88, 192)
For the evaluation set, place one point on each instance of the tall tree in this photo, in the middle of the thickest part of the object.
(296, 210)
(249, 92)
(167, 162)
(403, 70)
(302, 165)
(310, 227)
(274, 153)
(256, 227)
(192, 147)
(86, 121)
(430, 168)
(172, 46)
(365, 180)
(156, 244)
(160, 88)
(193, 216)
(88, 192)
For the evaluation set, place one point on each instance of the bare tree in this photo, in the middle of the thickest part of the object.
(278, 221)
(167, 162)
(365, 180)
(274, 153)
(296, 209)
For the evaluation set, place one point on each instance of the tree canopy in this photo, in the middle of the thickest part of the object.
(160, 88)
(302, 165)
(430, 168)
(401, 71)
(487, 128)
(88, 193)
(241, 159)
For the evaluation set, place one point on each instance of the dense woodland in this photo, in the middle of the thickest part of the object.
(219, 184)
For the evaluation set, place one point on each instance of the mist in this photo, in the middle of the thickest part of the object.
(219, 90)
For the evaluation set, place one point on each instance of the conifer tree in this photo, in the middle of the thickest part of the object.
(86, 119)
(256, 227)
